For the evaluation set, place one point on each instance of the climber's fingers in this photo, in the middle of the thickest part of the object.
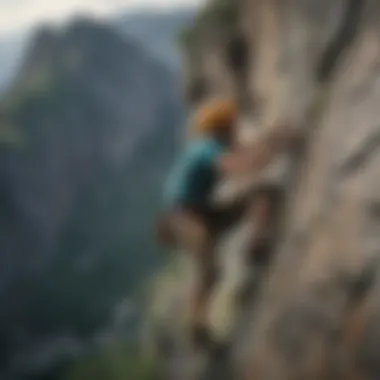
(234, 164)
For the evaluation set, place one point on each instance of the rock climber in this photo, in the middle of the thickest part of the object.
(191, 220)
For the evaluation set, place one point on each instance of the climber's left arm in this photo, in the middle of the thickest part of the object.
(253, 159)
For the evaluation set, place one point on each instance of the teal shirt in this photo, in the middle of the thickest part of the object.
(193, 177)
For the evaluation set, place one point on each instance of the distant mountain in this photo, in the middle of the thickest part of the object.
(11, 50)
(157, 31)
(87, 133)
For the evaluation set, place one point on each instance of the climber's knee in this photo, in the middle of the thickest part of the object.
(190, 228)
(164, 231)
(183, 230)
(199, 235)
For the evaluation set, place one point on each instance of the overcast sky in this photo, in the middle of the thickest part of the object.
(20, 14)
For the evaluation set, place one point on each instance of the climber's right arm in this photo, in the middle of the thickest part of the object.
(255, 158)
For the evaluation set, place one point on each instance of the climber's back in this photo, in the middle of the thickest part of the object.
(195, 173)
(194, 176)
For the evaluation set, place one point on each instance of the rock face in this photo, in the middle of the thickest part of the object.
(316, 63)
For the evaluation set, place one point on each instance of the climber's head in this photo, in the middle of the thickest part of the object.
(216, 118)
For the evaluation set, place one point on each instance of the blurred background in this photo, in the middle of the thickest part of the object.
(90, 119)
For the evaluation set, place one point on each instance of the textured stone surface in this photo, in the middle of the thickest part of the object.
(316, 62)
(310, 306)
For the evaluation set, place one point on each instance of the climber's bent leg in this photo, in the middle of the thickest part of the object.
(189, 229)
(201, 243)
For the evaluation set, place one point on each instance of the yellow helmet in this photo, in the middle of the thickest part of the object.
(215, 116)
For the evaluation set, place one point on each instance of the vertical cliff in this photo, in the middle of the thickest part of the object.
(316, 63)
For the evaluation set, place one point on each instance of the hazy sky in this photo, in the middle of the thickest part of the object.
(19, 14)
